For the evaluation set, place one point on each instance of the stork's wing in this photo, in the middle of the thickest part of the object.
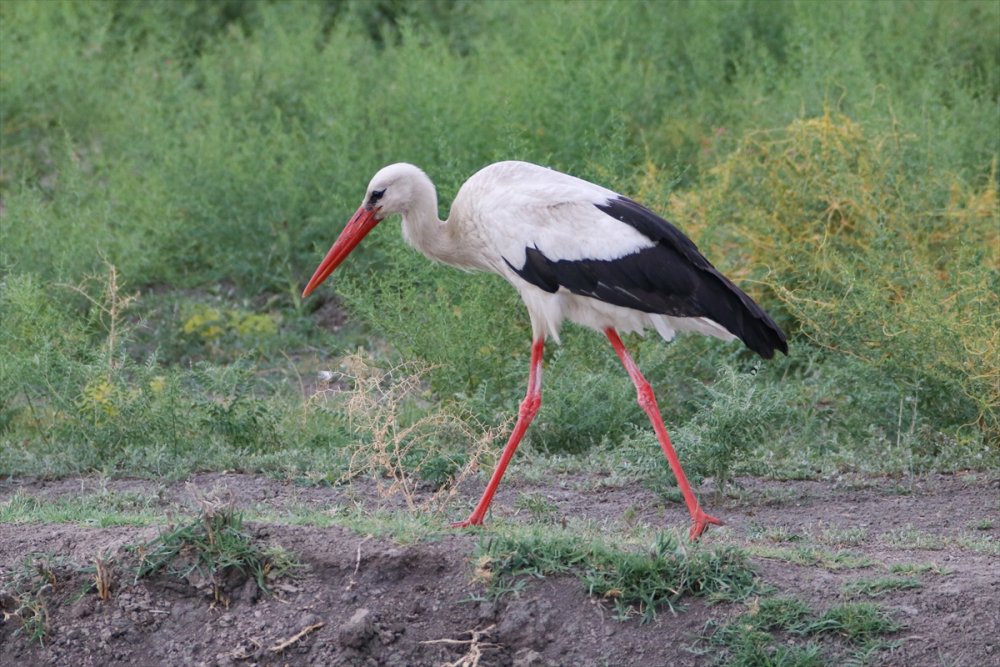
(644, 263)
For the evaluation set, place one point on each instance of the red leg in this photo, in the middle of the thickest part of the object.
(648, 403)
(529, 408)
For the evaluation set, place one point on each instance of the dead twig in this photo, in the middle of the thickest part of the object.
(357, 564)
(282, 645)
(476, 647)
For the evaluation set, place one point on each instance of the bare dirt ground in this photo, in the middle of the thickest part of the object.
(366, 600)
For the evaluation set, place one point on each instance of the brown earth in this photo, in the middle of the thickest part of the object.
(366, 600)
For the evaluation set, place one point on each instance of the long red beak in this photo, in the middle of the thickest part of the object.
(362, 222)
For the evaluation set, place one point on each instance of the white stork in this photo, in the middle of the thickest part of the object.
(574, 251)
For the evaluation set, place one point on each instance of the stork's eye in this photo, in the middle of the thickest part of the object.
(376, 195)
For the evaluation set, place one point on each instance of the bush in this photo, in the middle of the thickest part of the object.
(72, 400)
(838, 161)
(867, 261)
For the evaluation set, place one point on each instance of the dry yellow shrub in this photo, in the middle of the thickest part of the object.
(868, 254)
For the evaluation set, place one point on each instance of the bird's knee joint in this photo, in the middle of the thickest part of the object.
(646, 397)
(530, 405)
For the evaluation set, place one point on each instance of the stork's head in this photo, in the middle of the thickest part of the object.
(392, 190)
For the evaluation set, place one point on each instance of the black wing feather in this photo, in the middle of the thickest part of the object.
(669, 278)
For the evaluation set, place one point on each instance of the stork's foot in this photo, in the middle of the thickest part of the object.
(471, 521)
(701, 523)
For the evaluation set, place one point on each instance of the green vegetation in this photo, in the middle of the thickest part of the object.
(813, 556)
(909, 537)
(209, 550)
(637, 581)
(100, 510)
(26, 588)
(875, 587)
(171, 172)
(763, 635)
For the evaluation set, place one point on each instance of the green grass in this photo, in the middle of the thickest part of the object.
(637, 580)
(214, 546)
(100, 510)
(843, 537)
(538, 507)
(812, 556)
(27, 587)
(980, 524)
(109, 509)
(916, 568)
(912, 538)
(170, 173)
(764, 634)
(877, 587)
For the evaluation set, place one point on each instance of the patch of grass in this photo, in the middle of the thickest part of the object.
(984, 544)
(637, 581)
(761, 636)
(107, 510)
(101, 510)
(857, 622)
(916, 568)
(980, 524)
(909, 537)
(780, 613)
(876, 587)
(772, 496)
(811, 556)
(209, 550)
(402, 527)
(775, 534)
(538, 507)
(296, 515)
(25, 589)
(79, 402)
(843, 537)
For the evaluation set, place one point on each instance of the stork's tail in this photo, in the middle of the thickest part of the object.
(746, 320)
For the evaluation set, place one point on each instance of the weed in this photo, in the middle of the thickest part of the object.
(909, 537)
(103, 580)
(774, 534)
(540, 508)
(31, 611)
(82, 403)
(740, 413)
(916, 568)
(843, 537)
(756, 637)
(399, 444)
(638, 582)
(875, 587)
(813, 556)
(25, 592)
(981, 524)
(858, 622)
(862, 243)
(208, 550)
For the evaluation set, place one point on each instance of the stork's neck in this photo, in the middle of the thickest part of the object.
(424, 230)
